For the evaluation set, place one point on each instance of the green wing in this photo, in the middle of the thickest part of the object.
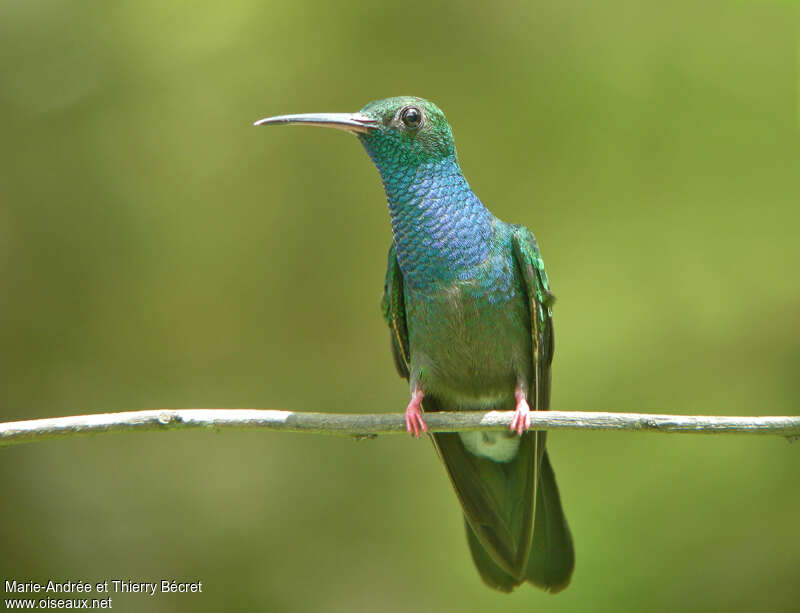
(540, 303)
(552, 557)
(393, 306)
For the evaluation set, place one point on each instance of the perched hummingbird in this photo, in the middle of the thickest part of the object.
(469, 310)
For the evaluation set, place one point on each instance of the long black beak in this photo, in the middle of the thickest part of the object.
(351, 122)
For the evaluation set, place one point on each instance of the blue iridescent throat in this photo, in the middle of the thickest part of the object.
(441, 229)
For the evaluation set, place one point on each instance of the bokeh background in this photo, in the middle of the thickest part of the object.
(158, 251)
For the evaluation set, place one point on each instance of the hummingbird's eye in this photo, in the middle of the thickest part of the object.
(411, 117)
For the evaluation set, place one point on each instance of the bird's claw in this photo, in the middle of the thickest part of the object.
(521, 421)
(414, 422)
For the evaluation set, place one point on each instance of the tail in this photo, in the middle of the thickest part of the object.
(552, 557)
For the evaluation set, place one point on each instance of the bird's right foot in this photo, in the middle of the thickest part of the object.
(521, 420)
(414, 421)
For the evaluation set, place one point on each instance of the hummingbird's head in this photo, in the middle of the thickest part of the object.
(408, 131)
(397, 132)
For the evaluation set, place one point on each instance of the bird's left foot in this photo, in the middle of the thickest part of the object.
(414, 421)
(522, 418)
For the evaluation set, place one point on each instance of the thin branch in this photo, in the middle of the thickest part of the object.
(367, 426)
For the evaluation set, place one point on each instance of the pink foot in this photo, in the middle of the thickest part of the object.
(414, 421)
(522, 418)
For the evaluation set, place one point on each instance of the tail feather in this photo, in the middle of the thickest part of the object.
(552, 557)
(492, 575)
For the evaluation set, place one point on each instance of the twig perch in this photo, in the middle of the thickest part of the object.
(13, 433)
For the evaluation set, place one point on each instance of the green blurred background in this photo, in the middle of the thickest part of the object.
(158, 251)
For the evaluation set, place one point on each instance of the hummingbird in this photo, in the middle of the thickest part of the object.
(469, 310)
